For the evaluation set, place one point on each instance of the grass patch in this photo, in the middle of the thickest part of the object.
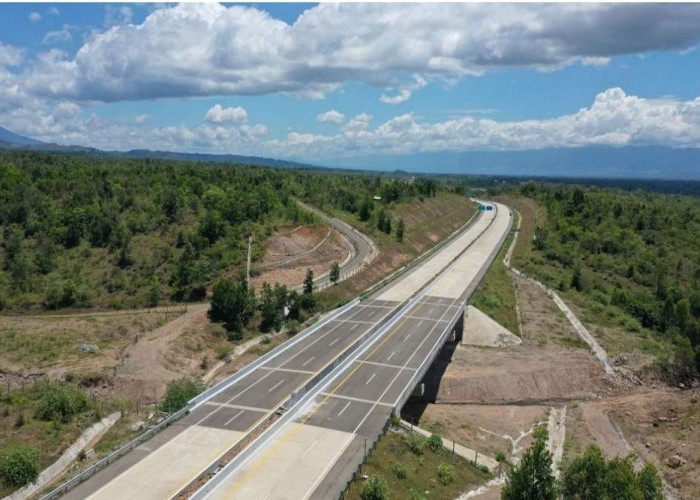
(495, 295)
(410, 474)
(427, 222)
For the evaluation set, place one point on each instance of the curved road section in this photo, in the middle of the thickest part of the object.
(230, 416)
(316, 452)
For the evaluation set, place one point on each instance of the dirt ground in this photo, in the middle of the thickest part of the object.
(291, 251)
(656, 425)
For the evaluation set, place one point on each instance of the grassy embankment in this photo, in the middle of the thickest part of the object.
(616, 330)
(411, 470)
(428, 221)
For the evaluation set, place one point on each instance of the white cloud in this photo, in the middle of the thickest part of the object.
(210, 49)
(10, 55)
(53, 11)
(332, 116)
(613, 118)
(140, 119)
(35, 17)
(117, 16)
(63, 35)
(217, 114)
(405, 91)
(358, 123)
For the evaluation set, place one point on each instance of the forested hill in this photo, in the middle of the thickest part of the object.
(92, 231)
(634, 256)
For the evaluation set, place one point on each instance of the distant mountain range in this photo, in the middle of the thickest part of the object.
(639, 162)
(10, 140)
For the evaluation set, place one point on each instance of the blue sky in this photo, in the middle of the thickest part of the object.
(397, 78)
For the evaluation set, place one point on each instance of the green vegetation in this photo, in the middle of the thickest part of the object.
(532, 477)
(87, 231)
(629, 262)
(179, 392)
(400, 468)
(590, 477)
(587, 477)
(61, 402)
(495, 295)
(19, 465)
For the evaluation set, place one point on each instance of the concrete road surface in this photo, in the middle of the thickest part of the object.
(316, 454)
(163, 465)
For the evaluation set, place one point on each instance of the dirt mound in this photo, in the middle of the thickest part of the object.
(522, 374)
(288, 242)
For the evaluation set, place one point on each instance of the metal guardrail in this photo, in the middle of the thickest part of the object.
(191, 405)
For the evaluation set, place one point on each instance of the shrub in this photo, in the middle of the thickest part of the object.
(395, 420)
(179, 392)
(62, 402)
(446, 473)
(375, 489)
(415, 444)
(399, 470)
(435, 443)
(19, 465)
(223, 351)
(19, 421)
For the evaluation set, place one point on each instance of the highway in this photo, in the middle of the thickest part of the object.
(318, 450)
(162, 466)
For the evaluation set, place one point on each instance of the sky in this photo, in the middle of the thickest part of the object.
(318, 83)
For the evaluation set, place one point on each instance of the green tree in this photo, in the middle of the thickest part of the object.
(381, 220)
(334, 275)
(400, 228)
(153, 296)
(577, 280)
(19, 465)
(232, 303)
(532, 478)
(591, 477)
(179, 392)
(501, 459)
(309, 282)
(294, 302)
(272, 303)
(365, 210)
(375, 488)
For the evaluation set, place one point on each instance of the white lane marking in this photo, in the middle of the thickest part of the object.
(375, 363)
(370, 379)
(233, 418)
(308, 361)
(406, 337)
(431, 311)
(336, 340)
(391, 355)
(359, 400)
(420, 322)
(276, 386)
(354, 326)
(344, 408)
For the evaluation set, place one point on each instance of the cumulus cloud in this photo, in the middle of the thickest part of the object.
(140, 119)
(405, 91)
(53, 11)
(332, 116)
(35, 17)
(10, 55)
(210, 49)
(217, 114)
(614, 119)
